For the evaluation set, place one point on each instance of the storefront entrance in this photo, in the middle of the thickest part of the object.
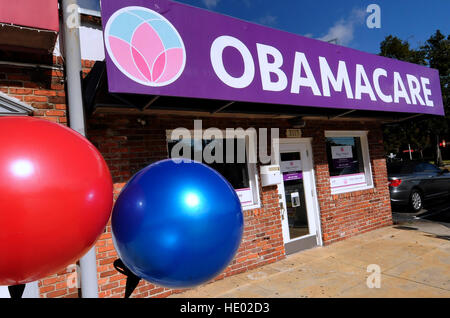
(297, 195)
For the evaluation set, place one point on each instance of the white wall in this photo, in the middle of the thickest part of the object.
(92, 47)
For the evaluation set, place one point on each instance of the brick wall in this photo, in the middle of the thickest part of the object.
(127, 147)
(38, 87)
(345, 215)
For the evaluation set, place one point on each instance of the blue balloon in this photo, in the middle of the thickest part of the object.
(177, 224)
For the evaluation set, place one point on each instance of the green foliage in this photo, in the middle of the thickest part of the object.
(395, 48)
(421, 134)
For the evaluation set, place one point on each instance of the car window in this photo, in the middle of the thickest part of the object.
(399, 168)
(420, 167)
(425, 167)
(431, 168)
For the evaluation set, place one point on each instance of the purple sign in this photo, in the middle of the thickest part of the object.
(160, 47)
(292, 176)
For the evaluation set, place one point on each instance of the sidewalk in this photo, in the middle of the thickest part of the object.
(413, 264)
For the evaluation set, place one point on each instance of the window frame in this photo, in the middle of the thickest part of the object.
(251, 167)
(362, 134)
(90, 12)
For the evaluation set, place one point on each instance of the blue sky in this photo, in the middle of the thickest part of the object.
(412, 20)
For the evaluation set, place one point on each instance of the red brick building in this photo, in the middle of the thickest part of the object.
(333, 164)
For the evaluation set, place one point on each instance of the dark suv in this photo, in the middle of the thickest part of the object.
(413, 182)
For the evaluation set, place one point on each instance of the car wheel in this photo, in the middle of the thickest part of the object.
(416, 200)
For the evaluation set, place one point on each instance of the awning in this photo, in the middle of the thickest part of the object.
(30, 26)
(41, 15)
(98, 99)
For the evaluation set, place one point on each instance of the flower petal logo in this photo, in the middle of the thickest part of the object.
(145, 46)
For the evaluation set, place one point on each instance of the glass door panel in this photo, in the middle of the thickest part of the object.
(297, 216)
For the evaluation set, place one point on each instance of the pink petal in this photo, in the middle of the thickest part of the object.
(158, 67)
(147, 42)
(141, 64)
(175, 59)
(121, 51)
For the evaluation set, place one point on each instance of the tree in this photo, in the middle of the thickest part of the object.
(437, 54)
(424, 133)
(395, 48)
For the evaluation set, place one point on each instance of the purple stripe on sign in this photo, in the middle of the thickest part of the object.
(347, 175)
(349, 185)
(292, 176)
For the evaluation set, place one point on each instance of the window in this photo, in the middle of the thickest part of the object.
(400, 167)
(89, 7)
(348, 161)
(230, 164)
(426, 167)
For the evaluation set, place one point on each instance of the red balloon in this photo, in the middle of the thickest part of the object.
(55, 198)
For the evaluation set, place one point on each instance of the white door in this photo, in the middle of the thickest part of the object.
(297, 194)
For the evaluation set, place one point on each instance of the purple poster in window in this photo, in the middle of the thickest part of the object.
(161, 47)
(343, 163)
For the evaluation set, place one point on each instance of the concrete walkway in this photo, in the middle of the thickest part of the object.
(412, 264)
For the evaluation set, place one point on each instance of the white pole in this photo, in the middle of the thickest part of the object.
(72, 54)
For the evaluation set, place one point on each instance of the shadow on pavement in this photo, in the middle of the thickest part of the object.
(442, 237)
(434, 219)
(407, 228)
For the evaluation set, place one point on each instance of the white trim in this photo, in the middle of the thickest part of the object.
(315, 199)
(362, 134)
(309, 172)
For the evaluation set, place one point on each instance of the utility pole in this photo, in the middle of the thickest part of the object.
(72, 58)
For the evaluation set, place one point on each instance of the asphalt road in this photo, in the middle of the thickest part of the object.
(433, 219)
